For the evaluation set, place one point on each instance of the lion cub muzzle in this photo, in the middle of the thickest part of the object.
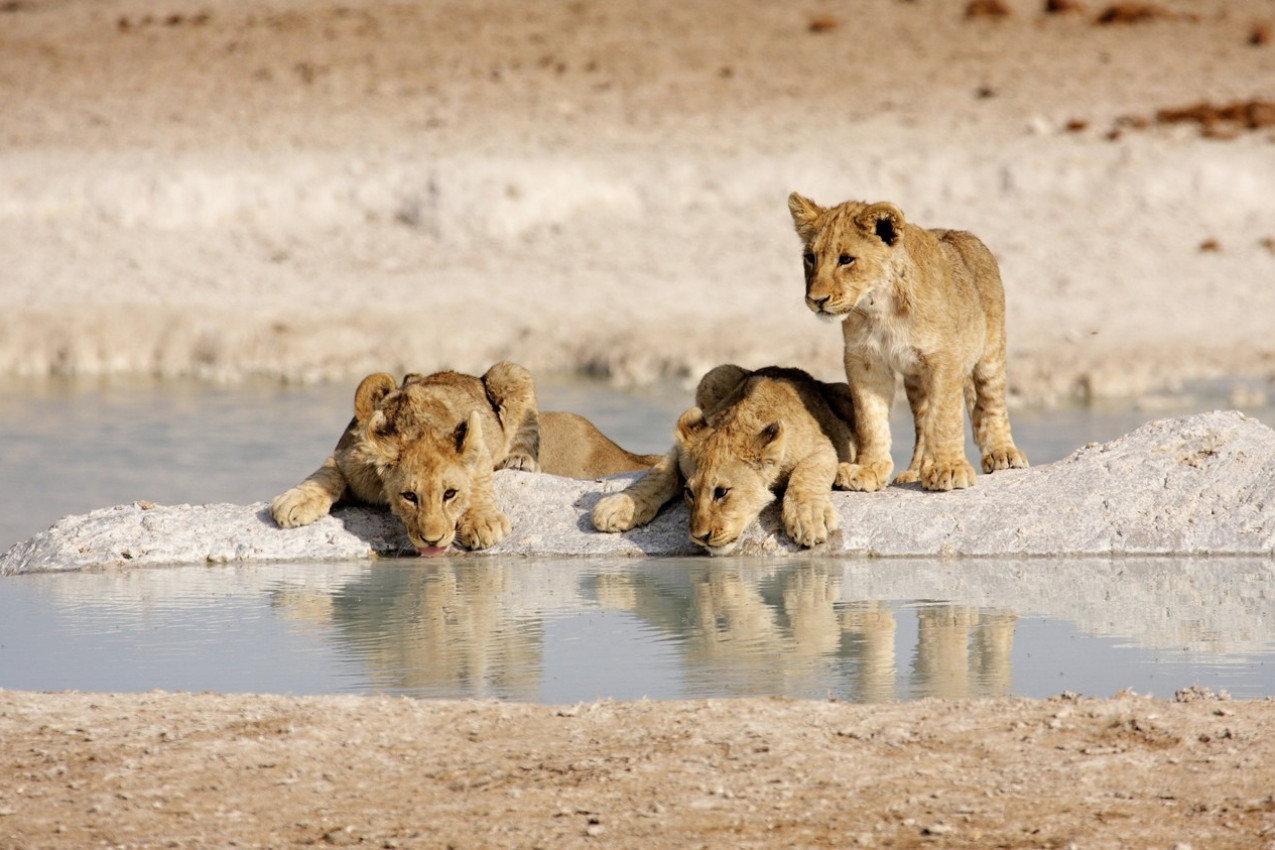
(820, 307)
(715, 541)
(427, 517)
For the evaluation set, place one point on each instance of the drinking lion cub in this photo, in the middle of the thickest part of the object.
(428, 447)
(750, 433)
(924, 303)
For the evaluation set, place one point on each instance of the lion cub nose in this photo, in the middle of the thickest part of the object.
(702, 537)
(819, 302)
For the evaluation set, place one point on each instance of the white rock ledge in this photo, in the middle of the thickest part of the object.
(1198, 485)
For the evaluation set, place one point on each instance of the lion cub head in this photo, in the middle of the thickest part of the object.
(729, 471)
(848, 252)
(428, 464)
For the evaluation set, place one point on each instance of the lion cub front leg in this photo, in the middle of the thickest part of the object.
(807, 510)
(943, 462)
(310, 500)
(872, 386)
(638, 503)
(482, 524)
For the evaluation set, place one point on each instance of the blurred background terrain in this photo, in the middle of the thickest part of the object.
(311, 191)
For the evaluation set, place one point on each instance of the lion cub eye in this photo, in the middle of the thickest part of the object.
(408, 496)
(720, 493)
(809, 259)
(845, 260)
(449, 494)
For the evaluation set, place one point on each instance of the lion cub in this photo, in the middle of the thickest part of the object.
(428, 447)
(927, 304)
(750, 433)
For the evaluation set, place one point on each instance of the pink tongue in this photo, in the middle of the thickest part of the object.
(431, 551)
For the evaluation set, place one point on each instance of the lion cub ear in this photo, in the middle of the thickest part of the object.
(469, 437)
(382, 437)
(370, 393)
(805, 216)
(770, 443)
(883, 220)
(689, 425)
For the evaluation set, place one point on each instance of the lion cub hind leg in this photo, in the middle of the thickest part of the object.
(638, 503)
(985, 397)
(718, 384)
(807, 510)
(918, 402)
(512, 393)
(943, 462)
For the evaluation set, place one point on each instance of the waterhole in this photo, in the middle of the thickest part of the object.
(560, 631)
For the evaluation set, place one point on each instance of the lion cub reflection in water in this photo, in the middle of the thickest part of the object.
(749, 434)
(428, 447)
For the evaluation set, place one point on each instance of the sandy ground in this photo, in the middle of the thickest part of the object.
(317, 190)
(313, 190)
(165, 770)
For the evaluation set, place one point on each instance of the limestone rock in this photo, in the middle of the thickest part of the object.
(1196, 485)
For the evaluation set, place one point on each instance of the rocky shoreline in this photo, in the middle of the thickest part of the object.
(1195, 485)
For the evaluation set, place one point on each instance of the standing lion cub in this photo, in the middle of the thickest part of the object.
(749, 434)
(927, 304)
(428, 447)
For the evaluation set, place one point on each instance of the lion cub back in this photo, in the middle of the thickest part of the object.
(573, 447)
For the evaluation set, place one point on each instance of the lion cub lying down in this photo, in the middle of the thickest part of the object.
(750, 433)
(927, 304)
(428, 447)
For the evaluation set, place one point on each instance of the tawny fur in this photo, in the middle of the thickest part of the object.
(573, 447)
(924, 304)
(749, 435)
(427, 449)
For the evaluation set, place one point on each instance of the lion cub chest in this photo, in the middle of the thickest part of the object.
(879, 331)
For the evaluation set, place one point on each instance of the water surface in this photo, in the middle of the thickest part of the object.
(561, 631)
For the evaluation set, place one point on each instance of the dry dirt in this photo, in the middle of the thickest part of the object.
(176, 770)
(313, 190)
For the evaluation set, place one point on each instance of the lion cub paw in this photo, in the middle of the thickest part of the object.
(809, 521)
(907, 476)
(522, 461)
(867, 477)
(946, 476)
(480, 530)
(1006, 458)
(299, 506)
(616, 512)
